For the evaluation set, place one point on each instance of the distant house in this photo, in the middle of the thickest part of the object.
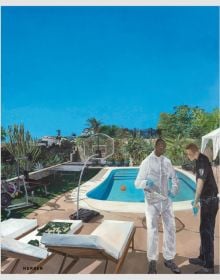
(49, 141)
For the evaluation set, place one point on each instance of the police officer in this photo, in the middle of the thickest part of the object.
(207, 195)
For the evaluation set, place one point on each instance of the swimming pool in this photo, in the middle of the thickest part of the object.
(110, 188)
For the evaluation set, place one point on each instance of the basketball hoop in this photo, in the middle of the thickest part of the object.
(98, 144)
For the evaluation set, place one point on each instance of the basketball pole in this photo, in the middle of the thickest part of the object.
(80, 178)
(87, 214)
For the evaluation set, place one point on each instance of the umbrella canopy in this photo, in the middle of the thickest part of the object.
(215, 137)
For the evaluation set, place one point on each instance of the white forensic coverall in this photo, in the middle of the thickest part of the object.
(159, 170)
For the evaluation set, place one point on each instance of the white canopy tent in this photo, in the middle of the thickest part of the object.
(215, 137)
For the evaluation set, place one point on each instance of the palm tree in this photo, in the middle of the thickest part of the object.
(94, 125)
(58, 137)
(58, 133)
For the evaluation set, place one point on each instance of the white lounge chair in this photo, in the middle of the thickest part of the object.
(21, 250)
(18, 250)
(15, 228)
(109, 241)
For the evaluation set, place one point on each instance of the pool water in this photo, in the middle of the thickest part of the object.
(111, 188)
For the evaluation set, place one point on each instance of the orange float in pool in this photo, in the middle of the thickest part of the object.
(123, 188)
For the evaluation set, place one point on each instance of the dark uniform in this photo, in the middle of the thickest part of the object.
(209, 209)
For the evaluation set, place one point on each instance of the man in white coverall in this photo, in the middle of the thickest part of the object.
(154, 173)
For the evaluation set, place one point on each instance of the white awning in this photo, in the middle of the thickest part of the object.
(215, 137)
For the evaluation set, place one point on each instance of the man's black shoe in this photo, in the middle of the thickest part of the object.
(152, 267)
(172, 266)
(205, 270)
(196, 261)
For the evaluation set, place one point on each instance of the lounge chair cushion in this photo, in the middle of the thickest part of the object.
(114, 236)
(15, 246)
(71, 240)
(16, 227)
(111, 236)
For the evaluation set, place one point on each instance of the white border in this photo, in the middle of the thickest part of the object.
(110, 3)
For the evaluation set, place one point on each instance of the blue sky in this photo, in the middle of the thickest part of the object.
(122, 65)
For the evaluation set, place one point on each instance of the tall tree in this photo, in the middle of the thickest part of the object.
(58, 137)
(213, 120)
(58, 133)
(94, 125)
(199, 123)
(166, 124)
(188, 122)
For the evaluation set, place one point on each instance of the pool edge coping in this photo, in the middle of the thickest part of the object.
(116, 206)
